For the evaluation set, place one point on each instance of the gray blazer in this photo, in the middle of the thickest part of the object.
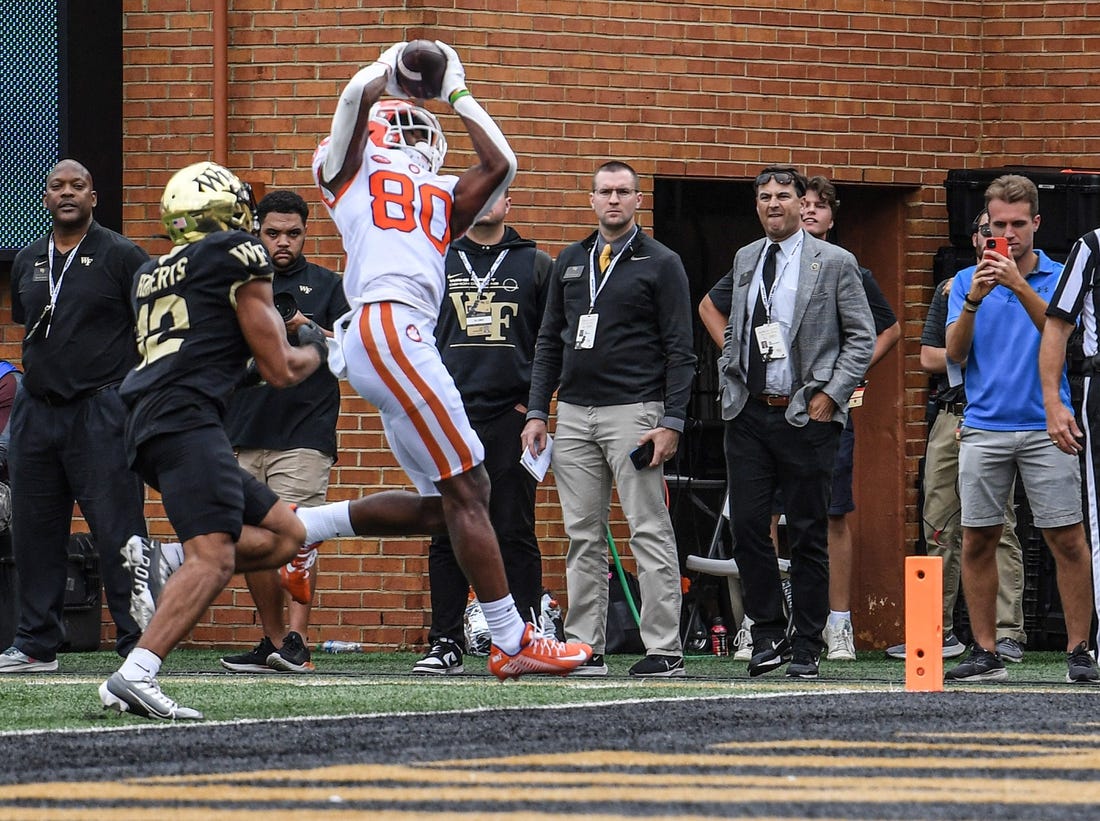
(832, 332)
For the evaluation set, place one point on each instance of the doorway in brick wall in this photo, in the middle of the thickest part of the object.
(706, 221)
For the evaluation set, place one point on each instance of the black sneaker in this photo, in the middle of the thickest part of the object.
(659, 667)
(981, 665)
(443, 659)
(770, 654)
(593, 667)
(803, 665)
(254, 661)
(292, 657)
(1082, 666)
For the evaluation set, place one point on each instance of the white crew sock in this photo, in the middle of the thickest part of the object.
(504, 623)
(837, 617)
(326, 521)
(173, 554)
(140, 664)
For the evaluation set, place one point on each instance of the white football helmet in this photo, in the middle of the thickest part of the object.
(412, 129)
(203, 198)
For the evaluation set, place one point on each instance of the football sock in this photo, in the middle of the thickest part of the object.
(504, 623)
(141, 663)
(326, 521)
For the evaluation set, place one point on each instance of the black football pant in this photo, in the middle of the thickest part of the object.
(512, 512)
(61, 454)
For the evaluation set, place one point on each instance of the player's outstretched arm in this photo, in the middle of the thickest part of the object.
(350, 128)
(479, 187)
(279, 363)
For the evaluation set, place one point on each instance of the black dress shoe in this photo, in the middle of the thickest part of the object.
(804, 665)
(770, 655)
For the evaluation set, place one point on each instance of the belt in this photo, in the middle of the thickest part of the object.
(952, 407)
(772, 400)
(56, 401)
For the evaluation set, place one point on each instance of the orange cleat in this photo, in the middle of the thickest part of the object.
(296, 574)
(538, 654)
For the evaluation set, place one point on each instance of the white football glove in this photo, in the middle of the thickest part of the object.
(388, 58)
(454, 76)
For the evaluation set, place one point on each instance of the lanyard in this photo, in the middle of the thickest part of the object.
(481, 283)
(766, 298)
(593, 289)
(55, 288)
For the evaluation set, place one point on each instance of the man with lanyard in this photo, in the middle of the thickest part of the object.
(616, 343)
(71, 290)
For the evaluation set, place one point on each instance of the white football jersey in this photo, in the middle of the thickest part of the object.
(395, 220)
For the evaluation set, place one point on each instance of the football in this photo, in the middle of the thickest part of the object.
(420, 69)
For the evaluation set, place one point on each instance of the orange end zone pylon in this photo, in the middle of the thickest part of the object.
(924, 624)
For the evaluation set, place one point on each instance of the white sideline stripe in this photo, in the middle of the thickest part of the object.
(154, 726)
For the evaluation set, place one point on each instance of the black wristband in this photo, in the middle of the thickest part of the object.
(969, 301)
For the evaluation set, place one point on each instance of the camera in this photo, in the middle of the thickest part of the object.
(286, 306)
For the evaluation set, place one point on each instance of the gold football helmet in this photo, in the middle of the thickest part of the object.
(203, 198)
(410, 128)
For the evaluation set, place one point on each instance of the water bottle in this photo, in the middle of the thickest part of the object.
(719, 639)
(332, 646)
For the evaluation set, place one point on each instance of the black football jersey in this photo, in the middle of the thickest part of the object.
(190, 343)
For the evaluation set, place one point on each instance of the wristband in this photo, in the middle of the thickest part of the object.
(969, 301)
(457, 95)
(970, 307)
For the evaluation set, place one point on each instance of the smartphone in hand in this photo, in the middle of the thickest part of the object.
(998, 244)
(642, 455)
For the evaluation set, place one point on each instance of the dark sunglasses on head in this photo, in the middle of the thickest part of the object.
(781, 177)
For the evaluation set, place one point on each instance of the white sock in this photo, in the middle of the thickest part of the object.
(140, 664)
(326, 521)
(838, 617)
(504, 623)
(173, 554)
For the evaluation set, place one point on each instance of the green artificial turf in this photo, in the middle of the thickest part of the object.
(348, 684)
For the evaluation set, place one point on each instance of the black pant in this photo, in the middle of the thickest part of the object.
(62, 454)
(512, 512)
(763, 452)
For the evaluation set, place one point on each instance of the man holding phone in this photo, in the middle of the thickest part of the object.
(616, 337)
(996, 313)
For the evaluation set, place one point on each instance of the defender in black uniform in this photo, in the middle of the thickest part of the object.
(70, 290)
(201, 310)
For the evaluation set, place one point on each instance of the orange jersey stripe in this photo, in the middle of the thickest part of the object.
(439, 412)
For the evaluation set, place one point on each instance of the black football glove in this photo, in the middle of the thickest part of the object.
(311, 334)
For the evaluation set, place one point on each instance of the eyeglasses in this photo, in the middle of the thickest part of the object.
(605, 193)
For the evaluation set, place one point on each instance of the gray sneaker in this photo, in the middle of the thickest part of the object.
(142, 698)
(1081, 666)
(952, 648)
(149, 570)
(1010, 650)
(14, 660)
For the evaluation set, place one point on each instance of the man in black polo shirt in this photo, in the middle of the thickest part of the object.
(71, 290)
(616, 337)
(287, 438)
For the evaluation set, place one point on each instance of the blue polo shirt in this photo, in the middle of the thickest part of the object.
(1002, 370)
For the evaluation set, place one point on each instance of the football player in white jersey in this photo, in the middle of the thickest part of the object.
(378, 175)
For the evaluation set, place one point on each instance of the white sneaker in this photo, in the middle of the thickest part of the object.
(841, 641)
(14, 660)
(149, 569)
(142, 698)
(742, 642)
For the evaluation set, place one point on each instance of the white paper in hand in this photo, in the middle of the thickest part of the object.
(538, 465)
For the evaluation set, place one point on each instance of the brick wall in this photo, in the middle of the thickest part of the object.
(872, 92)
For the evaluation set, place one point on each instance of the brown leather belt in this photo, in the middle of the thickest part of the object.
(772, 400)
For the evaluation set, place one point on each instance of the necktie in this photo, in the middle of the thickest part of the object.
(757, 367)
(605, 259)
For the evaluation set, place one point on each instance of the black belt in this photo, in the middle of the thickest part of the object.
(772, 400)
(952, 407)
(56, 401)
